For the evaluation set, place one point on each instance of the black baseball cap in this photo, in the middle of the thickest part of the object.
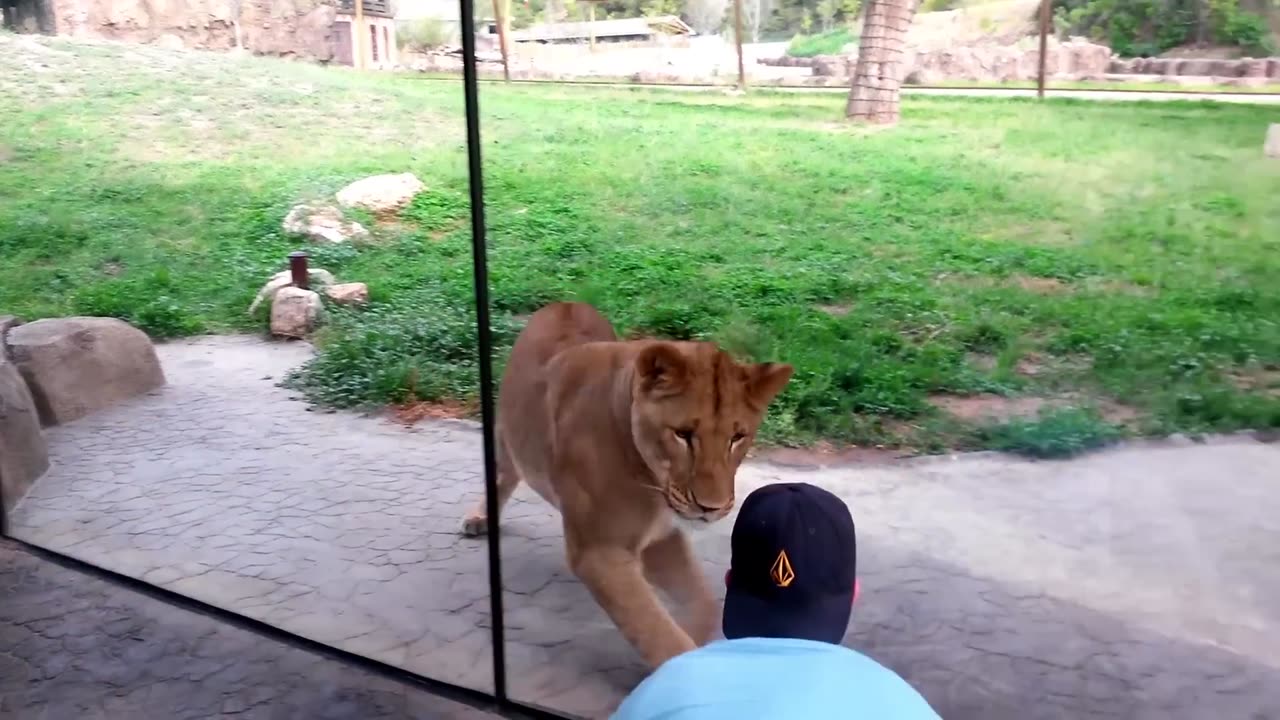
(794, 565)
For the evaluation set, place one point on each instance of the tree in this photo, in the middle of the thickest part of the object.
(753, 14)
(826, 10)
(877, 77)
(706, 16)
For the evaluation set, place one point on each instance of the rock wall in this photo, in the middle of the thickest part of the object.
(294, 28)
(1198, 67)
(1076, 58)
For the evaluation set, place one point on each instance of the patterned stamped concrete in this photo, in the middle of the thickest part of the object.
(74, 647)
(1137, 583)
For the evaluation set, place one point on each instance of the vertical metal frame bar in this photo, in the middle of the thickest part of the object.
(484, 341)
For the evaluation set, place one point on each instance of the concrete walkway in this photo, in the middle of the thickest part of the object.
(74, 647)
(1136, 583)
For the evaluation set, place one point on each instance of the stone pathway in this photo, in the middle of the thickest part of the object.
(1136, 583)
(76, 648)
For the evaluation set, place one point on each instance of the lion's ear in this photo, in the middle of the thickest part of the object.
(662, 369)
(765, 381)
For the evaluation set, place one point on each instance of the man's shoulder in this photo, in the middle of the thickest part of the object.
(743, 670)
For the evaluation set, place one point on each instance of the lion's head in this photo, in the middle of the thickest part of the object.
(694, 414)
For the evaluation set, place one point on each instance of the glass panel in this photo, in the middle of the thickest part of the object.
(316, 488)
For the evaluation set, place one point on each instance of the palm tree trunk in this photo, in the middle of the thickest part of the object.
(877, 78)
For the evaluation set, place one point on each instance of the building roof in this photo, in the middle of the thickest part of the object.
(666, 24)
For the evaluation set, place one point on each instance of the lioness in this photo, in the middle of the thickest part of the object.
(628, 440)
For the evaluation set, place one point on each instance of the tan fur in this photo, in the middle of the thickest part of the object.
(591, 423)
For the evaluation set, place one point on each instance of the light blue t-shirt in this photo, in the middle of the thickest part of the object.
(774, 679)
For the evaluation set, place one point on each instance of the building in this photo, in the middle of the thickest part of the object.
(377, 43)
(318, 30)
(643, 30)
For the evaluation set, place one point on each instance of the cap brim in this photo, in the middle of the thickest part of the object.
(822, 619)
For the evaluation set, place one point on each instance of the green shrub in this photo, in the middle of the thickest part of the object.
(423, 34)
(419, 350)
(1054, 433)
(827, 43)
(1249, 31)
(140, 302)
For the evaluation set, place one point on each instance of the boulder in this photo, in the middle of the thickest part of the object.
(23, 455)
(355, 293)
(322, 224)
(1272, 145)
(79, 365)
(7, 322)
(381, 193)
(295, 312)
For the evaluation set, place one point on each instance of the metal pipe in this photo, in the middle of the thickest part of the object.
(298, 270)
(1044, 45)
(737, 40)
(480, 282)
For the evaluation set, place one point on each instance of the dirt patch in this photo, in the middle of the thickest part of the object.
(1040, 285)
(988, 406)
(982, 361)
(1257, 380)
(825, 454)
(1112, 286)
(836, 310)
(1030, 283)
(1031, 364)
(1118, 413)
(410, 413)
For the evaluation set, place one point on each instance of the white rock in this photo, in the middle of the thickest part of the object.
(1272, 146)
(355, 293)
(381, 193)
(295, 312)
(322, 224)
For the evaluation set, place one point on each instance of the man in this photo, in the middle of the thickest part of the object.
(790, 591)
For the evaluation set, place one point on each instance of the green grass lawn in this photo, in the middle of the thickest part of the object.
(1121, 261)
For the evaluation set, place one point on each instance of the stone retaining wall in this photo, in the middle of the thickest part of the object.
(1076, 59)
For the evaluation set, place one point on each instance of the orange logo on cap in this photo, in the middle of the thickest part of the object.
(781, 571)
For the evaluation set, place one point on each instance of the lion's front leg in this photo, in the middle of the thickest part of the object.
(671, 565)
(615, 578)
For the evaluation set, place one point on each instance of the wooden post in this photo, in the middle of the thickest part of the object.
(500, 18)
(1044, 46)
(737, 39)
(591, 25)
(359, 33)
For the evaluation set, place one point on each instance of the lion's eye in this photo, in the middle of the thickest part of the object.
(686, 436)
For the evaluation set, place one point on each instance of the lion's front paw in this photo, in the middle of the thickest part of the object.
(475, 525)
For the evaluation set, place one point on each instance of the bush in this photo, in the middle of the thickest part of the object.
(419, 350)
(1055, 433)
(423, 34)
(827, 43)
(142, 303)
(1250, 32)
